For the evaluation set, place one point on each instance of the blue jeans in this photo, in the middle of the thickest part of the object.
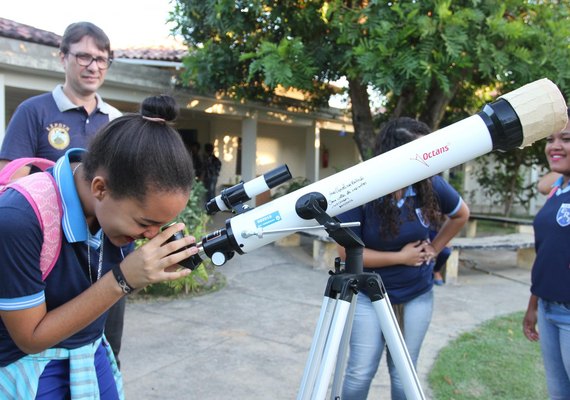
(367, 344)
(554, 331)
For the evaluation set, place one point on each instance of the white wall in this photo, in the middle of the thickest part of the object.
(281, 144)
(277, 145)
(479, 203)
(343, 152)
(225, 150)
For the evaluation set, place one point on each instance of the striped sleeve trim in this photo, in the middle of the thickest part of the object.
(22, 303)
(457, 207)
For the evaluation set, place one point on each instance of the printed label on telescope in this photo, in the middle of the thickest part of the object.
(340, 196)
(268, 220)
(423, 159)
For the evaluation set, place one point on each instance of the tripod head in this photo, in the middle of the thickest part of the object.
(312, 206)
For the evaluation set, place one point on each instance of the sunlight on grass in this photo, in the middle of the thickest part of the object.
(495, 361)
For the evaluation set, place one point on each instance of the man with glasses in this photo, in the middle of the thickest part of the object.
(49, 124)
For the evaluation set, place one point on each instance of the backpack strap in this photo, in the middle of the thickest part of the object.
(41, 192)
(9, 169)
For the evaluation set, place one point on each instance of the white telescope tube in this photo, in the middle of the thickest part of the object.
(517, 119)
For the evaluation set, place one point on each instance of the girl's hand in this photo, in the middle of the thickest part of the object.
(157, 261)
(414, 253)
(431, 253)
(529, 325)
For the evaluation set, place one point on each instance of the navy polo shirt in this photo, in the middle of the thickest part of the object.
(550, 277)
(49, 124)
(21, 238)
(403, 282)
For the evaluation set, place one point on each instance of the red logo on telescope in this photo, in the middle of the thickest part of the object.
(430, 154)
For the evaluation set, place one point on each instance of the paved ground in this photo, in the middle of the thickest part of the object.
(251, 339)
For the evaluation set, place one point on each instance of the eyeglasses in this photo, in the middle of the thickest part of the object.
(85, 60)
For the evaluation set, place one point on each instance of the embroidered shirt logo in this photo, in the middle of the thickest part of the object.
(421, 218)
(563, 215)
(58, 135)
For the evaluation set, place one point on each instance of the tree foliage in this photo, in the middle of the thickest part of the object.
(435, 60)
(245, 49)
(501, 180)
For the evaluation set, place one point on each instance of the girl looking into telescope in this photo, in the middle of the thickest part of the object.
(135, 177)
(549, 303)
(395, 230)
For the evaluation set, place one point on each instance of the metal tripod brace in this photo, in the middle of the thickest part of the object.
(332, 334)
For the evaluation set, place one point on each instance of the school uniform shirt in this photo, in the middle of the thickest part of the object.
(49, 124)
(403, 282)
(21, 238)
(550, 277)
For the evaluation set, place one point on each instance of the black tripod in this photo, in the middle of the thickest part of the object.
(332, 334)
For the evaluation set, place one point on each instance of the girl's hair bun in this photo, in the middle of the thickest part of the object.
(160, 107)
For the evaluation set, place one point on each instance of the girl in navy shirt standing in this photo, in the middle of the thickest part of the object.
(395, 231)
(549, 304)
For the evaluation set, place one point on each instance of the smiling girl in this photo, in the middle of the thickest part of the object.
(549, 304)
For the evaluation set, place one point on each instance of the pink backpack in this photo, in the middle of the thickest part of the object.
(41, 192)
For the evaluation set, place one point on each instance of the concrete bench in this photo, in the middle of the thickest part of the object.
(522, 243)
(325, 251)
(522, 225)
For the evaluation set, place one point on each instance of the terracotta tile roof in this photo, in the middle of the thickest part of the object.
(153, 53)
(16, 30)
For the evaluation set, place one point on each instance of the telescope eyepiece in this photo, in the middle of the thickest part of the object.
(191, 262)
(232, 198)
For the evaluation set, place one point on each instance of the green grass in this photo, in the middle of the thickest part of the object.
(494, 228)
(495, 361)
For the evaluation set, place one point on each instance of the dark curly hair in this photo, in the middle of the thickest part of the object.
(396, 133)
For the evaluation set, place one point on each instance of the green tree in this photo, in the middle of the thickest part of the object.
(501, 179)
(435, 60)
(428, 58)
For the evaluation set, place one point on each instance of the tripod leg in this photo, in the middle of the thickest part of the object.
(343, 352)
(397, 347)
(331, 349)
(329, 332)
(324, 350)
(317, 348)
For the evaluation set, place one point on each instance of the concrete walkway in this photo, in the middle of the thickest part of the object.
(251, 339)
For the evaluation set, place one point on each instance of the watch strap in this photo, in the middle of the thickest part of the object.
(118, 274)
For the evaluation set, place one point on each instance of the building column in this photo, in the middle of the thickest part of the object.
(249, 147)
(313, 147)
